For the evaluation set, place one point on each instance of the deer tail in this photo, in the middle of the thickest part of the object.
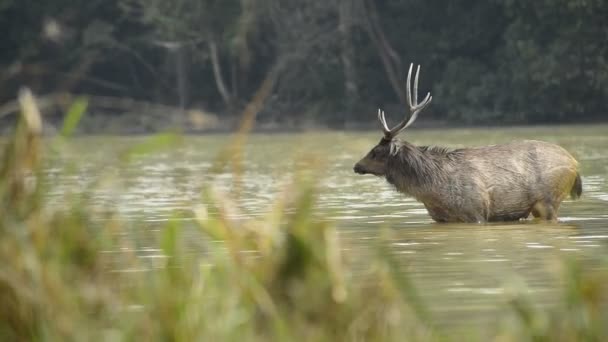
(577, 187)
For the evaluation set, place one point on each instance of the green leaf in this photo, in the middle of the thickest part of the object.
(169, 239)
(73, 116)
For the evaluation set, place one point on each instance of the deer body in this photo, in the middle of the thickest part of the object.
(491, 183)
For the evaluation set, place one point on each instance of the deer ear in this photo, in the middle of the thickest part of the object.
(395, 148)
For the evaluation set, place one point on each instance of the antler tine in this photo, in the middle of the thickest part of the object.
(416, 85)
(383, 121)
(408, 90)
(414, 107)
(424, 103)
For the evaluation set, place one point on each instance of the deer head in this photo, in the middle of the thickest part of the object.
(375, 161)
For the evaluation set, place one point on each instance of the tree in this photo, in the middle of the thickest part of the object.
(330, 61)
(556, 55)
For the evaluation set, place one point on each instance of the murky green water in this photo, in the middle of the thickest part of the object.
(463, 271)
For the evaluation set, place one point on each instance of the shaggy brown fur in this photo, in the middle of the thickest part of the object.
(491, 183)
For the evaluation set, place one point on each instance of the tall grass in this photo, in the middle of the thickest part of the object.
(70, 273)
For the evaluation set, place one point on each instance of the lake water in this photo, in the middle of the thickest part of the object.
(463, 271)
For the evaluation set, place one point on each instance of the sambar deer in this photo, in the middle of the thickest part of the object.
(503, 182)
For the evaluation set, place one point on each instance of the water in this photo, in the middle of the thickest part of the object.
(464, 271)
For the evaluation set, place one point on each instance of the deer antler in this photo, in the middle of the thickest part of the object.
(415, 107)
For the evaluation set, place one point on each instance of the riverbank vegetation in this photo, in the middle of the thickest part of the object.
(150, 64)
(75, 271)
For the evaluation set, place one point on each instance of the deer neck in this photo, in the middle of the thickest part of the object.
(414, 170)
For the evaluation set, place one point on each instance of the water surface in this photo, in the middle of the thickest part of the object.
(463, 271)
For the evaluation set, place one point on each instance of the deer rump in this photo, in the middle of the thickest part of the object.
(492, 183)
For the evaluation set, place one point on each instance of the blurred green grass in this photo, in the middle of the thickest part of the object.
(283, 277)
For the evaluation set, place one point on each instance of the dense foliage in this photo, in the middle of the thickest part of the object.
(333, 61)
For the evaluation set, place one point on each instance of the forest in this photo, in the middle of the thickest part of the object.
(323, 62)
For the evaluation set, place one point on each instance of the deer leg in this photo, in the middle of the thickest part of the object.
(544, 210)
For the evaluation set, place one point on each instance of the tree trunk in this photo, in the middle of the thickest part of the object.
(182, 78)
(234, 78)
(390, 58)
(217, 73)
(351, 89)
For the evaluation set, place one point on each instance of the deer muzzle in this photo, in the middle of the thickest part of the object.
(359, 169)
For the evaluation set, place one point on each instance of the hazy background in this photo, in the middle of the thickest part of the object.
(194, 64)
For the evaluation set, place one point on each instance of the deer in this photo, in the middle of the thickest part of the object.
(503, 182)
